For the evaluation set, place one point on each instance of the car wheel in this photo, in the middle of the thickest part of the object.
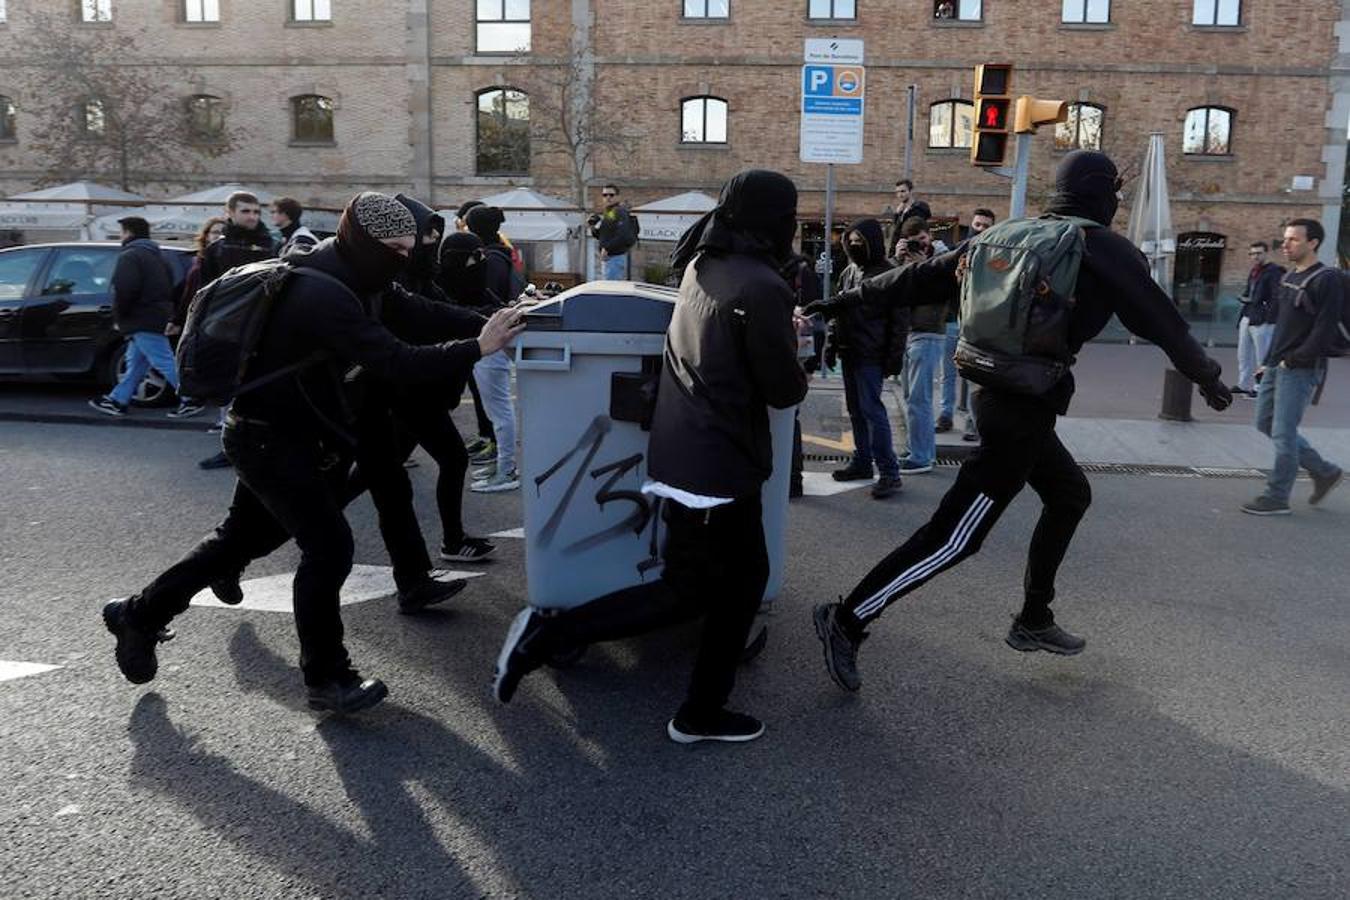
(153, 389)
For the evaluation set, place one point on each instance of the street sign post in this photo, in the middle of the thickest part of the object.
(832, 104)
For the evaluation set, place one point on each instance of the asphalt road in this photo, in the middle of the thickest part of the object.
(1198, 748)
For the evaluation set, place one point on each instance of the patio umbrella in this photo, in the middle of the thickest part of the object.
(1150, 227)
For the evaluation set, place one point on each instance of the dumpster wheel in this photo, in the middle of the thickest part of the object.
(565, 659)
(756, 646)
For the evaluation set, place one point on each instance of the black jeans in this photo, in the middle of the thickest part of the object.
(432, 428)
(287, 485)
(381, 447)
(1018, 447)
(716, 567)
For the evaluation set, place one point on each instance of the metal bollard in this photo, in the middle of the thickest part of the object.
(1176, 398)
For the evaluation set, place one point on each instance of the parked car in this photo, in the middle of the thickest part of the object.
(56, 313)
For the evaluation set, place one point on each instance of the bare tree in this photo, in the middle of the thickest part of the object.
(99, 111)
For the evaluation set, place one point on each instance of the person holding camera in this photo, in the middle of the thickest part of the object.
(923, 355)
(615, 230)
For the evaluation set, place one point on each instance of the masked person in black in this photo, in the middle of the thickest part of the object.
(730, 353)
(1019, 444)
(288, 439)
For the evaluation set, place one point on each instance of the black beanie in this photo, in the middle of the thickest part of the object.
(463, 211)
(486, 221)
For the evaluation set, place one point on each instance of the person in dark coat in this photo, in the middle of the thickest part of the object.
(246, 239)
(142, 301)
(493, 373)
(1019, 445)
(869, 342)
(1256, 322)
(730, 355)
(287, 439)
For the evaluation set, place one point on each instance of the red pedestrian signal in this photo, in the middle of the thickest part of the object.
(994, 114)
(993, 107)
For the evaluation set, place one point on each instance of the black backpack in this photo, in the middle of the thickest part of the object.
(1340, 345)
(224, 328)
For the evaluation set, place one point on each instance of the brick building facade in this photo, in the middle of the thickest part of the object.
(404, 78)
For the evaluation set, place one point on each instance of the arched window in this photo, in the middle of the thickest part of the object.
(8, 130)
(703, 120)
(1208, 131)
(1082, 130)
(951, 123)
(311, 119)
(206, 118)
(93, 119)
(503, 132)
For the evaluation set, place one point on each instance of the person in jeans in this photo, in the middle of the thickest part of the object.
(1256, 324)
(730, 354)
(869, 342)
(493, 372)
(1308, 314)
(980, 219)
(613, 229)
(142, 301)
(923, 356)
(286, 440)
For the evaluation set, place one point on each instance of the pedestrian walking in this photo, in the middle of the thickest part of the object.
(1017, 425)
(143, 302)
(1256, 323)
(730, 354)
(1308, 315)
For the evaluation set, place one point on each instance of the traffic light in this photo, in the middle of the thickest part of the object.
(1031, 111)
(993, 102)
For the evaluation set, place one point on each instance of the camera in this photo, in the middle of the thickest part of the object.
(914, 246)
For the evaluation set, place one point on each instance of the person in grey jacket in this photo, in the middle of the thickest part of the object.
(142, 301)
(730, 354)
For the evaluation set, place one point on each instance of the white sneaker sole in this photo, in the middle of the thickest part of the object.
(513, 635)
(480, 557)
(484, 487)
(680, 737)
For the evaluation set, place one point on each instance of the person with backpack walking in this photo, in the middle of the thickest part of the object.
(1308, 312)
(503, 284)
(142, 301)
(286, 434)
(1020, 330)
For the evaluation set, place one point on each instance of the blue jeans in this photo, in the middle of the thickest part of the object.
(615, 268)
(493, 374)
(1280, 401)
(146, 350)
(923, 357)
(949, 370)
(871, 425)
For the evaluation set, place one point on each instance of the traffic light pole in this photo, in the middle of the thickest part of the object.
(1018, 173)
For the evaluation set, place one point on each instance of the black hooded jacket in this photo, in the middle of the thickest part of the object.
(868, 335)
(423, 263)
(316, 320)
(731, 350)
(1114, 279)
(237, 247)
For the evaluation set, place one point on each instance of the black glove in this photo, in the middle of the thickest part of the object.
(1216, 394)
(829, 307)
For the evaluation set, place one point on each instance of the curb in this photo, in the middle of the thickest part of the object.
(129, 421)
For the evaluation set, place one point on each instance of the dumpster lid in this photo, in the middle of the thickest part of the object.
(606, 306)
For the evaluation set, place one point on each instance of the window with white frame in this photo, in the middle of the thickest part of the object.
(951, 123)
(1086, 12)
(959, 10)
(311, 10)
(1208, 132)
(707, 9)
(1081, 129)
(503, 26)
(95, 10)
(703, 120)
(832, 9)
(1217, 13)
(201, 10)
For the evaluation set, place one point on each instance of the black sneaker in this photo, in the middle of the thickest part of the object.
(1051, 638)
(1265, 506)
(428, 593)
(135, 648)
(796, 490)
(515, 660)
(219, 461)
(470, 550)
(885, 487)
(852, 472)
(944, 424)
(1324, 486)
(347, 693)
(722, 725)
(841, 649)
(108, 406)
(228, 590)
(186, 410)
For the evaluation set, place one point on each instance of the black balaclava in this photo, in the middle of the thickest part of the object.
(875, 251)
(756, 214)
(1085, 186)
(422, 262)
(486, 221)
(463, 275)
(368, 219)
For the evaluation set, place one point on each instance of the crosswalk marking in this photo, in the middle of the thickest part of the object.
(517, 534)
(821, 484)
(272, 593)
(11, 670)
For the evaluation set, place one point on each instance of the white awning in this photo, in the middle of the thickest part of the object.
(531, 216)
(66, 207)
(667, 219)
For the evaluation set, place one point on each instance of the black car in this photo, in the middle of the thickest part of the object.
(56, 315)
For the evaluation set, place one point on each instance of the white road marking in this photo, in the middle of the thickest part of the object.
(820, 484)
(272, 593)
(11, 670)
(510, 533)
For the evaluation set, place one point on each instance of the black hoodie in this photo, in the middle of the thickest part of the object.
(868, 335)
(420, 276)
(1114, 278)
(237, 247)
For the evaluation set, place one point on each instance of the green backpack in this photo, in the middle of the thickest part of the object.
(1017, 290)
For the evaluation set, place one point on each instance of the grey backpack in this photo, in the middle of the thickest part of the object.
(1017, 291)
